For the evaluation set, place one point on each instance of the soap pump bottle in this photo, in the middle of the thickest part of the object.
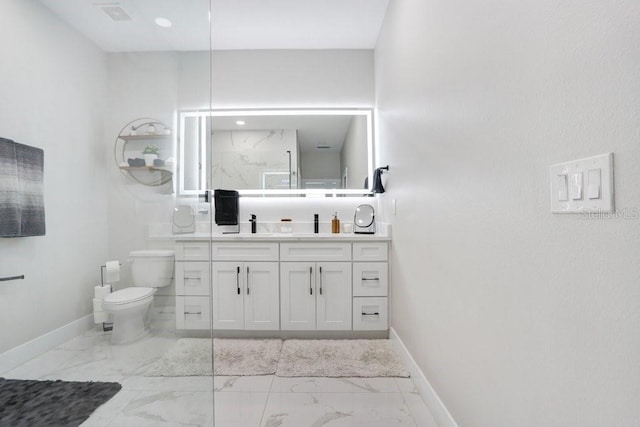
(335, 224)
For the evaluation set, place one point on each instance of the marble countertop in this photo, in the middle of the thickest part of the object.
(279, 237)
(266, 234)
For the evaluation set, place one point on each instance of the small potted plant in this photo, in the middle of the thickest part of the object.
(150, 153)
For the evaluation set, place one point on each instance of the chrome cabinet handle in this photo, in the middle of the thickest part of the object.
(320, 280)
(247, 280)
(310, 280)
(364, 278)
(238, 279)
(371, 314)
(193, 312)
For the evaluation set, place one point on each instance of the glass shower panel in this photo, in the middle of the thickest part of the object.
(144, 61)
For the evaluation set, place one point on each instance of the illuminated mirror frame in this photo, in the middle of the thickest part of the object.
(182, 115)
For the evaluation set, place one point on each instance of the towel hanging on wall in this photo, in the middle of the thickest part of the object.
(9, 202)
(21, 190)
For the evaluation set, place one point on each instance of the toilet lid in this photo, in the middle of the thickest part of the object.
(128, 295)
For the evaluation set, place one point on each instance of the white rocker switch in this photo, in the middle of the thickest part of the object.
(575, 188)
(594, 184)
(563, 188)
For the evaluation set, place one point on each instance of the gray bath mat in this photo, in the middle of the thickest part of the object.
(192, 357)
(51, 403)
(339, 358)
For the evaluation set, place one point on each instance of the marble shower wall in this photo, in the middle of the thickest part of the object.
(254, 159)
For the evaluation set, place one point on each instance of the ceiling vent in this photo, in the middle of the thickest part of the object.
(116, 13)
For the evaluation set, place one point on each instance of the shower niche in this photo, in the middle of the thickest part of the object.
(144, 153)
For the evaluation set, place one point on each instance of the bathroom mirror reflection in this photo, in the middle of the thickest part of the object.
(271, 152)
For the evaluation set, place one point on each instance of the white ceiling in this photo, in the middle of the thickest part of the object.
(237, 24)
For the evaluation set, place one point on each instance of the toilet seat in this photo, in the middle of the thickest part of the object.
(128, 298)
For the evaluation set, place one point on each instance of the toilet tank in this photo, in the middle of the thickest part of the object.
(152, 268)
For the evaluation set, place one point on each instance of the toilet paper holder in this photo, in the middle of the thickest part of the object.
(102, 269)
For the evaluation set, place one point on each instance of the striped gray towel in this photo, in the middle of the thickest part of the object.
(21, 190)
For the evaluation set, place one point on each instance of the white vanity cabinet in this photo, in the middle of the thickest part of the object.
(315, 295)
(327, 285)
(245, 286)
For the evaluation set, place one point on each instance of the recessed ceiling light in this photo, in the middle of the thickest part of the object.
(163, 22)
(240, 122)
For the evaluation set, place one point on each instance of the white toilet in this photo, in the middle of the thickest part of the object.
(151, 269)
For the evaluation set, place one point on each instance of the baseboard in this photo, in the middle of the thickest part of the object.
(428, 394)
(15, 357)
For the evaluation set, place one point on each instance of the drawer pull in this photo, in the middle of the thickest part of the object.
(320, 280)
(310, 280)
(194, 313)
(375, 278)
(247, 280)
(371, 314)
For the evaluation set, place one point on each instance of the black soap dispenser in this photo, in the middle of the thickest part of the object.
(254, 224)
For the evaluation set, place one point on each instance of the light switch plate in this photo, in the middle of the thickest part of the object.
(585, 169)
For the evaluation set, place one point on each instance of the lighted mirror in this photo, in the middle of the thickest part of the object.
(275, 152)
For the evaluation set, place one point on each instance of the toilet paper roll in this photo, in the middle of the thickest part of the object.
(112, 273)
(100, 292)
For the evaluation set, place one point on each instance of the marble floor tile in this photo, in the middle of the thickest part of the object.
(333, 385)
(240, 401)
(105, 414)
(261, 383)
(336, 410)
(170, 408)
(168, 383)
(419, 410)
(239, 409)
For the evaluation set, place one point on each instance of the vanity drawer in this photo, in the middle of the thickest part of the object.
(242, 251)
(370, 279)
(192, 251)
(192, 278)
(315, 251)
(192, 312)
(370, 314)
(370, 251)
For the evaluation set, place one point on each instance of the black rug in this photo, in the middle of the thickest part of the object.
(51, 403)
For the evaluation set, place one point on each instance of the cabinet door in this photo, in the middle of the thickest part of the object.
(262, 296)
(298, 296)
(228, 290)
(334, 296)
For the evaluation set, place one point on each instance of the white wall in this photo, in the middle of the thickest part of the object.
(52, 83)
(518, 317)
(354, 153)
(158, 84)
